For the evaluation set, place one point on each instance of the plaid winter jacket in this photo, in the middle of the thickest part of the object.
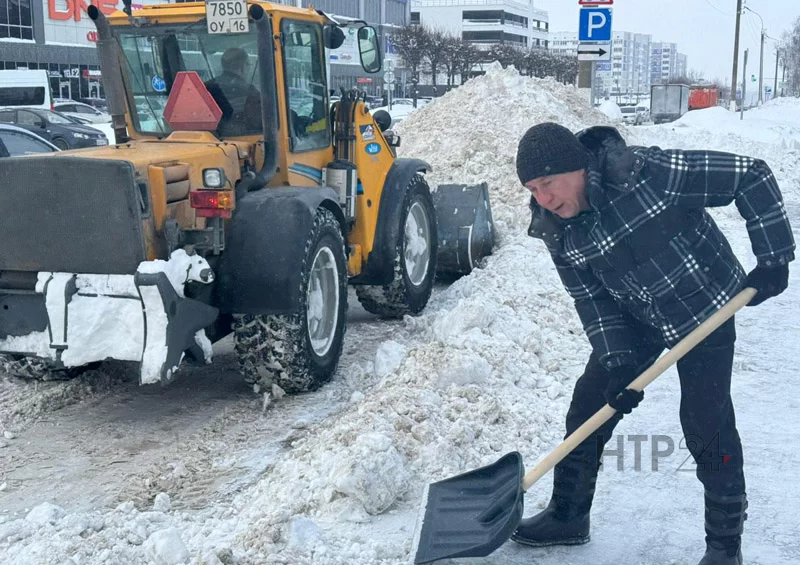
(647, 249)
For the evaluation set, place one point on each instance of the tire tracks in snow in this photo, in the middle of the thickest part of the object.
(104, 439)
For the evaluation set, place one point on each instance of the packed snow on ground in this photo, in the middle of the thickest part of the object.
(487, 369)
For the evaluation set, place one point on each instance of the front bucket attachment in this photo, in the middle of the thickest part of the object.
(465, 227)
(472, 514)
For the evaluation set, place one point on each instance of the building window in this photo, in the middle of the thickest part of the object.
(490, 37)
(304, 72)
(15, 19)
(482, 16)
(515, 20)
(414, 18)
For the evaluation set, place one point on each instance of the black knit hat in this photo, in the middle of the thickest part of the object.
(549, 149)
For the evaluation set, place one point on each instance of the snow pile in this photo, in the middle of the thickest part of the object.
(491, 353)
(470, 134)
(775, 123)
(611, 110)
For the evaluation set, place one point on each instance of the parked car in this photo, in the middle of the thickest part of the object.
(55, 128)
(16, 142)
(631, 115)
(99, 103)
(82, 111)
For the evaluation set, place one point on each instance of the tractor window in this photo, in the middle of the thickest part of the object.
(228, 65)
(307, 96)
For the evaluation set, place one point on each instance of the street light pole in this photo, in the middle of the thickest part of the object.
(736, 54)
(744, 83)
(777, 59)
(761, 65)
(761, 70)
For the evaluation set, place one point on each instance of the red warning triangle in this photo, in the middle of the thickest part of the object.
(190, 106)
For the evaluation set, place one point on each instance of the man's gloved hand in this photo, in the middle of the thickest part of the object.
(619, 397)
(768, 281)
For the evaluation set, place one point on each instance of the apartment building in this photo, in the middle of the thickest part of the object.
(564, 43)
(486, 22)
(666, 62)
(629, 69)
(636, 62)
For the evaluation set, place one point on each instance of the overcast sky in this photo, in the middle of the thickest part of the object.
(703, 29)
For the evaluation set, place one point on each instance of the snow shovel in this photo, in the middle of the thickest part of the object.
(473, 514)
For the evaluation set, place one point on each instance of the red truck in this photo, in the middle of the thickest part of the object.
(703, 97)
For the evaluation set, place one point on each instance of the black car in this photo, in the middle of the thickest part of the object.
(54, 127)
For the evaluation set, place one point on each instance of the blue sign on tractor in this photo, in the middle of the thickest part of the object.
(595, 24)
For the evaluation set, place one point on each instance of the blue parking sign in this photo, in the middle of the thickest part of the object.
(595, 24)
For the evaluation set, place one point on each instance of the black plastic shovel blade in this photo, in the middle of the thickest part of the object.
(472, 514)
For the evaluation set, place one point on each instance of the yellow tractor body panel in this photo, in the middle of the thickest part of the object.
(373, 159)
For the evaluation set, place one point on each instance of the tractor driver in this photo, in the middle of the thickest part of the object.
(235, 94)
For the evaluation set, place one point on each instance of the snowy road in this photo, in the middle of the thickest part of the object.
(202, 438)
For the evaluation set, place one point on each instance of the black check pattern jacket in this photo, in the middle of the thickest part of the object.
(647, 250)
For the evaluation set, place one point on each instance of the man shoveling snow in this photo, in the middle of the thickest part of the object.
(630, 236)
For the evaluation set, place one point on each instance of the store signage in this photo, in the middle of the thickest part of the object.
(75, 9)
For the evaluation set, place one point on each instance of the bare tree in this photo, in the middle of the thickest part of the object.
(436, 51)
(696, 77)
(467, 58)
(411, 43)
(567, 69)
(791, 58)
(505, 54)
(426, 50)
(450, 58)
(683, 79)
(542, 63)
(722, 86)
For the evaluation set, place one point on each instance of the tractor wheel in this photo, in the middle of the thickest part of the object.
(35, 369)
(415, 259)
(300, 352)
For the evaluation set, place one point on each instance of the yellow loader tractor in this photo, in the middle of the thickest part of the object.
(235, 199)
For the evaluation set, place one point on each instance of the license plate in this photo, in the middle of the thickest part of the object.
(102, 142)
(227, 16)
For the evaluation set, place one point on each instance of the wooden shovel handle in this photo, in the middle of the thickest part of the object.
(670, 358)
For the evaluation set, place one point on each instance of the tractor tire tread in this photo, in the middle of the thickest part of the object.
(35, 369)
(271, 349)
(392, 300)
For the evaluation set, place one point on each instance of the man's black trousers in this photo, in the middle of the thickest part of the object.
(706, 412)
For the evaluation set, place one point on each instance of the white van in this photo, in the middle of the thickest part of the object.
(25, 88)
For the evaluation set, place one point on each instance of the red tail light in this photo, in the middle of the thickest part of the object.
(213, 203)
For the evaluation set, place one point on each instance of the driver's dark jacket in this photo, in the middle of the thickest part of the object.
(647, 249)
(240, 103)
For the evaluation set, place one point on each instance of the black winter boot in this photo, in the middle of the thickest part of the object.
(725, 516)
(565, 521)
